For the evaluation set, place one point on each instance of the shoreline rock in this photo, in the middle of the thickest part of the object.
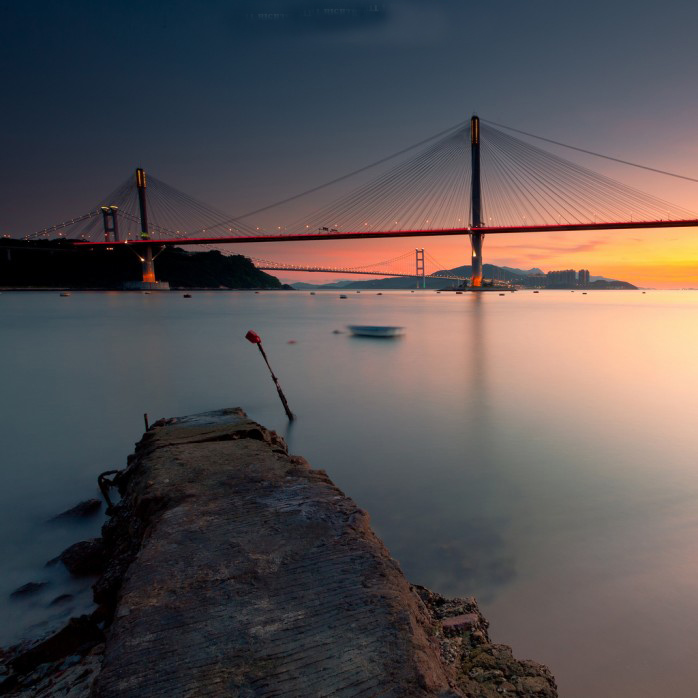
(231, 566)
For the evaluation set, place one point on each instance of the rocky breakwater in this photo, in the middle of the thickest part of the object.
(235, 569)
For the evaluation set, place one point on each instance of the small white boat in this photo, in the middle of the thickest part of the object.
(65, 294)
(376, 330)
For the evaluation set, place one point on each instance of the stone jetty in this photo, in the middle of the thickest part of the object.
(235, 569)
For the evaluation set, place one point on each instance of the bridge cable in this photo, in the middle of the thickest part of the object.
(591, 152)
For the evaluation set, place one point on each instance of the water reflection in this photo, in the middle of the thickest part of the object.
(460, 545)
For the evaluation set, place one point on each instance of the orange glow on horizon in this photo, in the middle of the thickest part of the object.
(658, 259)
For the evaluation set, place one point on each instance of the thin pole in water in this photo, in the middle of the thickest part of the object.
(254, 338)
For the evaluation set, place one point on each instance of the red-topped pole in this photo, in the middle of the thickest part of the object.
(254, 338)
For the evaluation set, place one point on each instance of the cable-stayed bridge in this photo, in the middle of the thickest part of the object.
(474, 179)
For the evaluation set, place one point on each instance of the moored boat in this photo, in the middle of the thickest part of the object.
(376, 330)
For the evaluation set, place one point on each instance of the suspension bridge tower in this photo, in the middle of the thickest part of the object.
(149, 282)
(111, 223)
(475, 203)
(419, 254)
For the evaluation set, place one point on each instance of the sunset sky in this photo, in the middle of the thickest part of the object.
(244, 102)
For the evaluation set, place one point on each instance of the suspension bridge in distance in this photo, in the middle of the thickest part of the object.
(471, 180)
(400, 266)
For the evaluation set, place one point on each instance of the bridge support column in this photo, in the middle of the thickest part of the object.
(476, 244)
(148, 266)
(476, 239)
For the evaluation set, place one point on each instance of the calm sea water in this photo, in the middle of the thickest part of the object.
(535, 450)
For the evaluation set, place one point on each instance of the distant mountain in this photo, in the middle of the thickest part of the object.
(401, 283)
(611, 284)
(524, 272)
(303, 286)
(490, 271)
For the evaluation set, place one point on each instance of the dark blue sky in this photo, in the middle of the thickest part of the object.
(244, 102)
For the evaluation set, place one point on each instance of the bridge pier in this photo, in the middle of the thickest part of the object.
(148, 266)
(476, 240)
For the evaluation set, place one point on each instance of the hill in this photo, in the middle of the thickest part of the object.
(56, 264)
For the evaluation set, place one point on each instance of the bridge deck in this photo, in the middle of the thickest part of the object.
(435, 232)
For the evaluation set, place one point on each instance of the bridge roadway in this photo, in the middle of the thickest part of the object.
(363, 235)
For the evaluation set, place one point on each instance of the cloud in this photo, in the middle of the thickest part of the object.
(347, 21)
(309, 17)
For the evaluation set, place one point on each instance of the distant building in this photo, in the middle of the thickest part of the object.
(536, 280)
(561, 279)
(583, 277)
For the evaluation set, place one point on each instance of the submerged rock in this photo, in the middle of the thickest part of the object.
(60, 600)
(84, 558)
(79, 636)
(89, 507)
(27, 589)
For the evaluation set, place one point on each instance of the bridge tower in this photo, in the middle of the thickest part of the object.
(148, 266)
(419, 254)
(475, 203)
(111, 223)
(149, 281)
